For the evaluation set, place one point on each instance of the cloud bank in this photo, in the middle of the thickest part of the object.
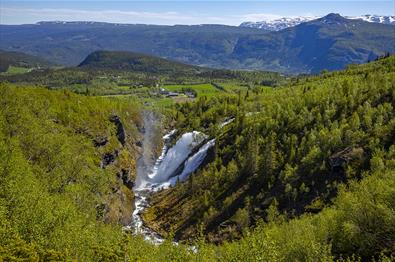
(32, 15)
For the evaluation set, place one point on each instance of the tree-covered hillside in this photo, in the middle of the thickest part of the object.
(136, 62)
(66, 170)
(288, 152)
(304, 172)
(112, 72)
(18, 59)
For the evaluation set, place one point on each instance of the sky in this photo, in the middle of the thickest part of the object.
(181, 12)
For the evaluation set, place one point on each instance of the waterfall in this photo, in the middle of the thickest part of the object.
(190, 165)
(176, 156)
(176, 163)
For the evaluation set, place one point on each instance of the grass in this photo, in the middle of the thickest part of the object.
(233, 86)
(14, 70)
(201, 89)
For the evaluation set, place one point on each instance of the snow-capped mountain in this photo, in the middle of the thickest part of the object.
(278, 24)
(285, 22)
(375, 19)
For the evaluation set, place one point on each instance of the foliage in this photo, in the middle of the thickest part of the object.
(14, 62)
(305, 172)
(291, 147)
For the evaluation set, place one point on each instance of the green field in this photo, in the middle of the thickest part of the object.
(235, 86)
(13, 70)
(201, 89)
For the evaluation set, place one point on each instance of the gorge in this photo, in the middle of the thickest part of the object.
(175, 164)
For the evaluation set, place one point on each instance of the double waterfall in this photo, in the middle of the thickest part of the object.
(176, 163)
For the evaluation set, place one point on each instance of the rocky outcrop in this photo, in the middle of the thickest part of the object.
(118, 152)
(120, 129)
(340, 159)
(100, 141)
(118, 207)
(108, 158)
(124, 175)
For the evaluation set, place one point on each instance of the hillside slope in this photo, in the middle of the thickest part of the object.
(305, 172)
(287, 153)
(136, 62)
(330, 43)
(69, 43)
(19, 59)
(67, 168)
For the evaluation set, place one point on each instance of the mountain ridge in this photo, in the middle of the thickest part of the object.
(331, 43)
(285, 22)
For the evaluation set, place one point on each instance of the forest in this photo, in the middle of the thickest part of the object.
(304, 172)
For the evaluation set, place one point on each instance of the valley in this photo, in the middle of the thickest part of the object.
(268, 141)
(341, 41)
(231, 172)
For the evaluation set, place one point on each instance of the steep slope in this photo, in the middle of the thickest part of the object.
(18, 59)
(287, 153)
(331, 42)
(323, 146)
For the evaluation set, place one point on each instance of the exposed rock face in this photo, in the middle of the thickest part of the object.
(107, 159)
(120, 129)
(119, 206)
(340, 159)
(100, 141)
(126, 179)
(119, 159)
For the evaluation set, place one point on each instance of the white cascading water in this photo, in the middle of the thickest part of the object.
(176, 156)
(174, 164)
(190, 165)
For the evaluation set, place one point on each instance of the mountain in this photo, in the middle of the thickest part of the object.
(69, 43)
(390, 20)
(331, 42)
(19, 59)
(278, 24)
(285, 22)
(136, 62)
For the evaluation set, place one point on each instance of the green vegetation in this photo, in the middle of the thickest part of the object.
(207, 90)
(12, 70)
(287, 153)
(136, 62)
(105, 73)
(16, 62)
(305, 172)
(54, 195)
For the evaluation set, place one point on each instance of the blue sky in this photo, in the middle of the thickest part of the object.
(181, 12)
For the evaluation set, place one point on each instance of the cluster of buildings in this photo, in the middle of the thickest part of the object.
(175, 94)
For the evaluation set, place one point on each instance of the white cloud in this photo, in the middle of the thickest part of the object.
(31, 15)
(115, 16)
(259, 17)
